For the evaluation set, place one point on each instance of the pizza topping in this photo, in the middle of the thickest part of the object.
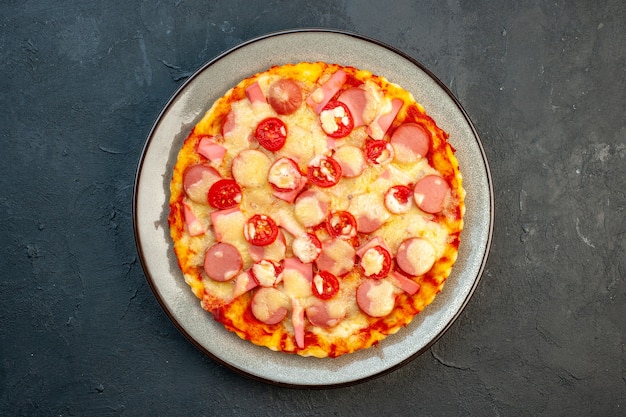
(324, 171)
(275, 251)
(399, 199)
(410, 142)
(194, 226)
(369, 211)
(337, 257)
(355, 98)
(284, 175)
(322, 95)
(385, 118)
(285, 96)
(351, 160)
(210, 149)
(416, 256)
(250, 167)
(271, 133)
(404, 283)
(342, 224)
(224, 194)
(311, 207)
(336, 120)
(222, 262)
(325, 285)
(266, 272)
(244, 283)
(376, 262)
(197, 180)
(229, 123)
(325, 314)
(255, 94)
(297, 321)
(378, 152)
(307, 248)
(227, 224)
(269, 305)
(430, 193)
(376, 298)
(260, 230)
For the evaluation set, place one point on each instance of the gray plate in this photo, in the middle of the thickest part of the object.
(151, 198)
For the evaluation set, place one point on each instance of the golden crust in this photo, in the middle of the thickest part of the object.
(358, 330)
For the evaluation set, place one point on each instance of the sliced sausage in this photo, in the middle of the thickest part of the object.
(270, 305)
(351, 160)
(297, 321)
(197, 180)
(325, 314)
(222, 262)
(311, 207)
(376, 298)
(430, 193)
(416, 256)
(285, 96)
(410, 142)
(337, 257)
(250, 168)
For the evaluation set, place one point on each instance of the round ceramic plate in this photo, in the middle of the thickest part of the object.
(184, 110)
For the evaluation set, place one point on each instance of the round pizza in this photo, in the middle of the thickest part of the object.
(316, 209)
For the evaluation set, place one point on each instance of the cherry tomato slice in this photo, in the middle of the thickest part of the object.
(398, 199)
(324, 285)
(260, 230)
(378, 151)
(336, 120)
(324, 171)
(224, 194)
(341, 224)
(376, 262)
(271, 133)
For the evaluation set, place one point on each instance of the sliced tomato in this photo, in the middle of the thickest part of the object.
(271, 133)
(336, 119)
(285, 96)
(325, 285)
(324, 171)
(376, 262)
(260, 230)
(378, 151)
(224, 194)
(284, 175)
(341, 224)
(398, 199)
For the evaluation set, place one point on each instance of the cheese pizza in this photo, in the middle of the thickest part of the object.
(316, 209)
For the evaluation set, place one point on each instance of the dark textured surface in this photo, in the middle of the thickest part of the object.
(81, 84)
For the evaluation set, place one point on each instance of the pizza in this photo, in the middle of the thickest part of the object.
(315, 209)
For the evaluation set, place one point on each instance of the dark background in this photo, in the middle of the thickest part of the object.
(81, 84)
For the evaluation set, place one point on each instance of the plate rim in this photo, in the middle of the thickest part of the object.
(212, 61)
